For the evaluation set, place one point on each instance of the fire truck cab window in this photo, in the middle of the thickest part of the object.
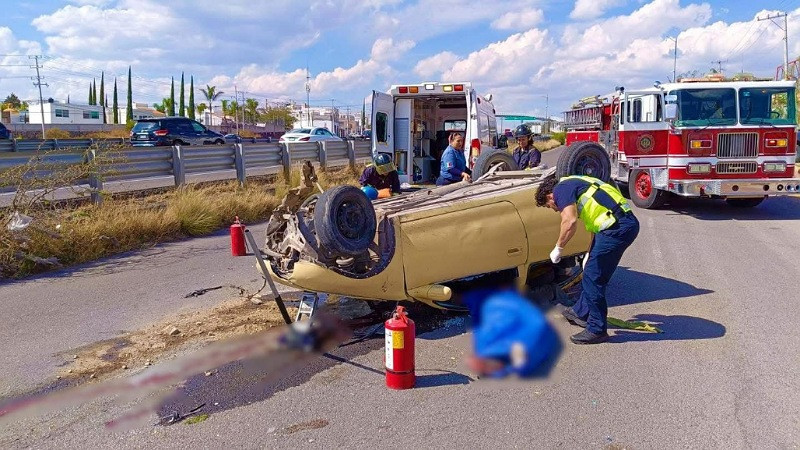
(767, 105)
(704, 107)
(645, 108)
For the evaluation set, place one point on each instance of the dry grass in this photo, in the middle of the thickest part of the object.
(71, 233)
(541, 146)
(111, 134)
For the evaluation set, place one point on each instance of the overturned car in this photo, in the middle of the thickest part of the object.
(427, 245)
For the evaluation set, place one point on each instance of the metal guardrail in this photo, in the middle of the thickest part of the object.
(137, 168)
(32, 145)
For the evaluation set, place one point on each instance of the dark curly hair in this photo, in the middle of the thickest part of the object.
(545, 188)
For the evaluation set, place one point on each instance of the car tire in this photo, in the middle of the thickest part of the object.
(744, 202)
(177, 142)
(344, 221)
(584, 158)
(642, 192)
(488, 160)
(219, 142)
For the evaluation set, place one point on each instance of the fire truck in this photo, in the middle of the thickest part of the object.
(706, 137)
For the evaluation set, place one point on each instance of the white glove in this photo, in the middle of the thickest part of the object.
(555, 255)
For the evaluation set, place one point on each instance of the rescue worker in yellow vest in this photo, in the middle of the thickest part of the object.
(605, 212)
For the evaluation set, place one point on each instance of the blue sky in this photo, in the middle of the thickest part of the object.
(518, 50)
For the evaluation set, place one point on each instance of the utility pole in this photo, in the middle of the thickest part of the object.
(347, 117)
(39, 84)
(719, 64)
(308, 98)
(675, 60)
(236, 113)
(785, 29)
(333, 124)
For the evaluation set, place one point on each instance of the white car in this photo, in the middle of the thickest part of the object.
(309, 135)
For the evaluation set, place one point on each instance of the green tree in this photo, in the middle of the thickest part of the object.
(201, 108)
(211, 94)
(171, 110)
(94, 92)
(251, 110)
(278, 115)
(182, 107)
(12, 102)
(129, 109)
(166, 105)
(102, 89)
(224, 109)
(115, 104)
(90, 94)
(191, 97)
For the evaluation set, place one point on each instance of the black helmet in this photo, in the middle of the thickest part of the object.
(522, 130)
(383, 163)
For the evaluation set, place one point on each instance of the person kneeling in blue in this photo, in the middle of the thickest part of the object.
(382, 174)
(510, 335)
(454, 163)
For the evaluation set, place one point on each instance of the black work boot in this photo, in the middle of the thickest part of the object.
(587, 337)
(573, 318)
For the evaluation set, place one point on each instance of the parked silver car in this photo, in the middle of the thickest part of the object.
(309, 135)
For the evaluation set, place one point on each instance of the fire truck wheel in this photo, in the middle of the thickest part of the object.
(584, 158)
(744, 202)
(488, 160)
(344, 221)
(642, 192)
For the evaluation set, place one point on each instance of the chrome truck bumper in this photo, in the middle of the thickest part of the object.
(736, 188)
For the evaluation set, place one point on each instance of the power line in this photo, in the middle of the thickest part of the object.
(785, 29)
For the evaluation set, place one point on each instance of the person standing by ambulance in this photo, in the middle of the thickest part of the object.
(454, 163)
(525, 155)
(604, 212)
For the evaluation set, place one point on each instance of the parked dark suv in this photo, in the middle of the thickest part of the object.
(4, 133)
(172, 131)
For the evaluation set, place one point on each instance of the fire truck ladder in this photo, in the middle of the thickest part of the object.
(308, 303)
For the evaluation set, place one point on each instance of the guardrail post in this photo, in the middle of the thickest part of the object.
(95, 182)
(322, 154)
(238, 158)
(178, 165)
(14, 145)
(351, 154)
(286, 160)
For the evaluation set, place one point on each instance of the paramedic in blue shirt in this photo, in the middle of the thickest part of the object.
(454, 163)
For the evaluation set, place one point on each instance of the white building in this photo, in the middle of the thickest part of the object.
(65, 113)
(334, 119)
(140, 111)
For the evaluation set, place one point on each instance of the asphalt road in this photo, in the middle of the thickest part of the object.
(722, 284)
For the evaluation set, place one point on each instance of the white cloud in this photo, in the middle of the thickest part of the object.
(385, 48)
(519, 20)
(591, 9)
(436, 64)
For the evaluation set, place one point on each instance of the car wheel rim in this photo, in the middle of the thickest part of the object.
(644, 186)
(590, 166)
(350, 220)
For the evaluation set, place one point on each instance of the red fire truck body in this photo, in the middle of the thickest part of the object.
(734, 140)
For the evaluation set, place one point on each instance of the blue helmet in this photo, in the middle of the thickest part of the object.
(371, 192)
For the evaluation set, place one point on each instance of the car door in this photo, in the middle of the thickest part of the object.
(200, 133)
(319, 135)
(382, 123)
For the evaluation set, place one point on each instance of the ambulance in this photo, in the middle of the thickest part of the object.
(411, 122)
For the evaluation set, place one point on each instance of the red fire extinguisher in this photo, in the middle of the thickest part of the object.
(237, 238)
(399, 358)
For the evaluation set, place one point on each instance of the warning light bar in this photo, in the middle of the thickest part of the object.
(430, 87)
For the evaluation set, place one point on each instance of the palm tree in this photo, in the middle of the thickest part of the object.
(211, 94)
(251, 109)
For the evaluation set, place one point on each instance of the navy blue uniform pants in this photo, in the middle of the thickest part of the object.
(604, 256)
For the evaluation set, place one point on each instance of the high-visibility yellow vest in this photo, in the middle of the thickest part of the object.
(595, 216)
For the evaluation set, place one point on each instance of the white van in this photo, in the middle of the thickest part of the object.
(411, 122)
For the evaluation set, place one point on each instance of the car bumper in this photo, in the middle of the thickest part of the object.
(736, 188)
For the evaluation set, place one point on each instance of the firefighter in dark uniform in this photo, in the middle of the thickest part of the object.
(525, 155)
(605, 213)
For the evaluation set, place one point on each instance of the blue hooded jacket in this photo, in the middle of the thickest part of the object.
(502, 319)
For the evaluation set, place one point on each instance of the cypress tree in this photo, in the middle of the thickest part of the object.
(182, 106)
(94, 91)
(191, 97)
(116, 104)
(172, 98)
(102, 88)
(129, 111)
(90, 93)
